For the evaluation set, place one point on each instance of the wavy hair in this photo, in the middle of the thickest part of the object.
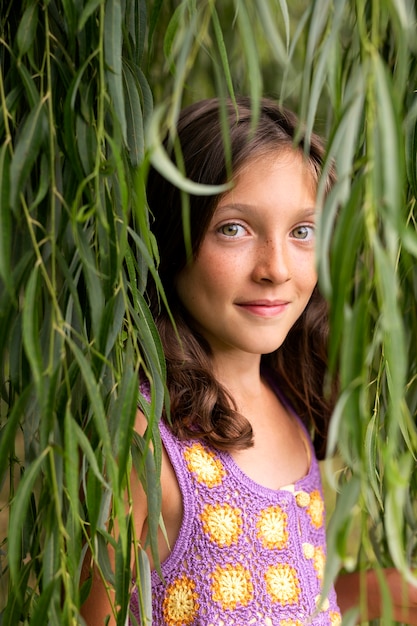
(201, 407)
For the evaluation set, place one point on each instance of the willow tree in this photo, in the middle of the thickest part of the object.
(74, 328)
(79, 127)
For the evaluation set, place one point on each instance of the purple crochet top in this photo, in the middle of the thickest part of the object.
(245, 554)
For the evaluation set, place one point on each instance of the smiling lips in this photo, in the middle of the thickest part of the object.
(264, 308)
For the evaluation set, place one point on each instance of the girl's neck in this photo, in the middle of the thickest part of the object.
(240, 376)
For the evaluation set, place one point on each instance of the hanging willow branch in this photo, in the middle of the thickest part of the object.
(78, 129)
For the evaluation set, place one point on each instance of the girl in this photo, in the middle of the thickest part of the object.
(242, 499)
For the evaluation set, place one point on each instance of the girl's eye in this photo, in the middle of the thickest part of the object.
(303, 232)
(232, 230)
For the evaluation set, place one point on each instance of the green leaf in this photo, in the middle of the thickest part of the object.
(18, 512)
(85, 445)
(172, 28)
(389, 132)
(272, 33)
(71, 461)
(153, 21)
(97, 407)
(222, 51)
(394, 339)
(165, 166)
(93, 490)
(123, 579)
(134, 118)
(30, 140)
(113, 58)
(111, 323)
(90, 7)
(9, 430)
(252, 59)
(126, 408)
(42, 605)
(30, 328)
(399, 473)
(30, 87)
(144, 465)
(5, 220)
(26, 32)
(144, 587)
(339, 526)
(92, 278)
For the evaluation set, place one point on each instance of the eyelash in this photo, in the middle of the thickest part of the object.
(228, 225)
(308, 227)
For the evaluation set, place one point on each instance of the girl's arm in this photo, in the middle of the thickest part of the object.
(402, 595)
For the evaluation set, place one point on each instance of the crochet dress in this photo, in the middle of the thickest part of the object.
(245, 554)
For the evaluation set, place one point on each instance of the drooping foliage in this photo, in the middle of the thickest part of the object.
(86, 91)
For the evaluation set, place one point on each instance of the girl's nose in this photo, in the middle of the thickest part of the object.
(272, 263)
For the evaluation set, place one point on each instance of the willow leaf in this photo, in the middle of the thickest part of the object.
(172, 29)
(141, 30)
(15, 601)
(26, 31)
(386, 284)
(394, 506)
(111, 323)
(144, 465)
(151, 342)
(78, 152)
(123, 578)
(9, 430)
(342, 264)
(147, 97)
(51, 550)
(371, 446)
(93, 491)
(339, 527)
(409, 241)
(5, 220)
(411, 154)
(153, 20)
(30, 87)
(26, 151)
(113, 58)
(30, 328)
(44, 182)
(389, 132)
(71, 461)
(162, 163)
(144, 587)
(252, 58)
(85, 445)
(90, 271)
(105, 567)
(97, 407)
(18, 513)
(222, 52)
(42, 605)
(134, 118)
(70, 11)
(272, 34)
(90, 7)
(321, 71)
(125, 408)
(9, 106)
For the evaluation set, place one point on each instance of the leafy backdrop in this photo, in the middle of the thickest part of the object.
(86, 90)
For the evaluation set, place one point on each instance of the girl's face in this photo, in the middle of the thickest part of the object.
(255, 269)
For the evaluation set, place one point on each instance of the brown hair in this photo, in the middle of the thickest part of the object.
(200, 406)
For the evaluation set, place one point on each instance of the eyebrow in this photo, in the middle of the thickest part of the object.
(243, 208)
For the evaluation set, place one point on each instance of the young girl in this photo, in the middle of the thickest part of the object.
(242, 498)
